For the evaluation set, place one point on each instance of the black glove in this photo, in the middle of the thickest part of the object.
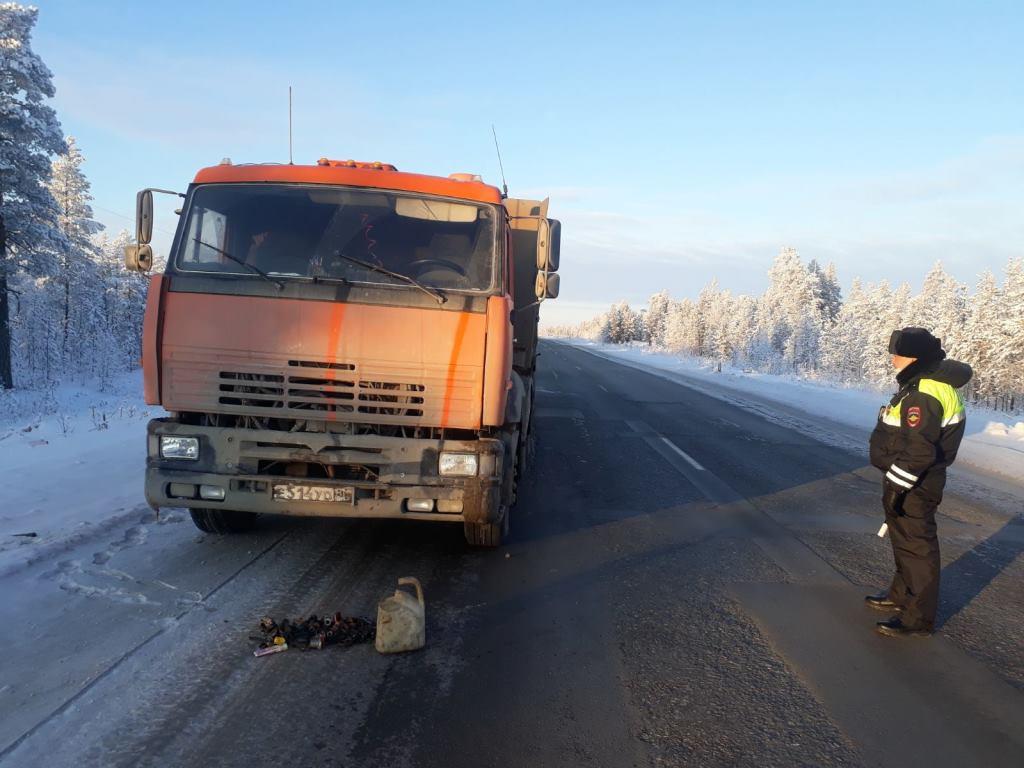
(892, 498)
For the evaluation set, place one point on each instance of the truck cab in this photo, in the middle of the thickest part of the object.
(343, 339)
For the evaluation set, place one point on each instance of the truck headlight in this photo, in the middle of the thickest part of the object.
(457, 464)
(174, 447)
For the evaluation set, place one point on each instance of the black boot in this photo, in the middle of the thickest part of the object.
(882, 602)
(895, 627)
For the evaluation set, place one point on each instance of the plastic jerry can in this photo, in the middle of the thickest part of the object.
(401, 619)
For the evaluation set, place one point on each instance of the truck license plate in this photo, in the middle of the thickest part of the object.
(300, 492)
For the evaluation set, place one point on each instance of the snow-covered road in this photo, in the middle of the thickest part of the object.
(130, 641)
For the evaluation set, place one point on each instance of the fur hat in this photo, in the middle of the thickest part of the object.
(915, 342)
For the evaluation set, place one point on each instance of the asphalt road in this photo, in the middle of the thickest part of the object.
(682, 587)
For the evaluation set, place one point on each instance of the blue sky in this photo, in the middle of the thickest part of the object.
(678, 141)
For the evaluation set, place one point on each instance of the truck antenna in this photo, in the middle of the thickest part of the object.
(504, 186)
(290, 126)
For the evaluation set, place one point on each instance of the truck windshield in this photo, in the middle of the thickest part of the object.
(303, 232)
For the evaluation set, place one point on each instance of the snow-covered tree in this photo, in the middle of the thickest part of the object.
(983, 337)
(79, 255)
(623, 324)
(658, 308)
(827, 293)
(29, 135)
(788, 322)
(742, 327)
(681, 328)
(845, 340)
(1010, 352)
(706, 300)
(802, 323)
(941, 307)
(888, 310)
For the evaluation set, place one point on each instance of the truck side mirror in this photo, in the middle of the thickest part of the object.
(549, 244)
(144, 217)
(547, 285)
(138, 258)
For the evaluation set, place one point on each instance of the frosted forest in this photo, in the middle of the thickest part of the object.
(68, 308)
(803, 324)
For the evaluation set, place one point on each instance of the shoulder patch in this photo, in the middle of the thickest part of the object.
(913, 416)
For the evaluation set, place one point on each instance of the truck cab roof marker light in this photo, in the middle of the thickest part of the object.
(374, 166)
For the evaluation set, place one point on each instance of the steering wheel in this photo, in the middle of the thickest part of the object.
(420, 264)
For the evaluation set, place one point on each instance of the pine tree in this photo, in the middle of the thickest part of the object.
(941, 307)
(658, 307)
(827, 293)
(29, 134)
(78, 258)
(705, 306)
(887, 312)
(788, 327)
(718, 318)
(844, 341)
(1010, 352)
(623, 325)
(982, 333)
(741, 328)
(681, 328)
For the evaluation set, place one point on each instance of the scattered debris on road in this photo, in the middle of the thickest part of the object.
(313, 633)
(266, 651)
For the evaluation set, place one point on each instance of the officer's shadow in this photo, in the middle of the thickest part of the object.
(967, 576)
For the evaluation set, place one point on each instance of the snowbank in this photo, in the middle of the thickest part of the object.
(72, 473)
(991, 445)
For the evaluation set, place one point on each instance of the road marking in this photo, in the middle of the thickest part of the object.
(692, 461)
(778, 542)
(602, 387)
(554, 373)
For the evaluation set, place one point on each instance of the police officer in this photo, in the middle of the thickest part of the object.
(916, 438)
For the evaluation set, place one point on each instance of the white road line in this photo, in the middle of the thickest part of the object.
(602, 387)
(684, 454)
(554, 373)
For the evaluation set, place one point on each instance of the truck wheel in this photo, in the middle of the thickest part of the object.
(222, 520)
(487, 535)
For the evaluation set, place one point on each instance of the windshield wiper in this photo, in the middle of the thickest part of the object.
(254, 269)
(432, 292)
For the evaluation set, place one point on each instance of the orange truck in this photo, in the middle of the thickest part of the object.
(343, 340)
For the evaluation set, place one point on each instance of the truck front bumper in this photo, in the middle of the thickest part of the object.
(246, 464)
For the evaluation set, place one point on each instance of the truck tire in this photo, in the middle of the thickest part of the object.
(222, 520)
(490, 535)
(487, 535)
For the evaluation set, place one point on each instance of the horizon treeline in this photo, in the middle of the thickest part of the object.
(802, 324)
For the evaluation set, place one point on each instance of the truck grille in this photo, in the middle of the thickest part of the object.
(310, 389)
(311, 393)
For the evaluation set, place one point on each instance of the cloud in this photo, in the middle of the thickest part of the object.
(987, 171)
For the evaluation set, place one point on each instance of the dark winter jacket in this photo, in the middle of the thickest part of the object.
(919, 432)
